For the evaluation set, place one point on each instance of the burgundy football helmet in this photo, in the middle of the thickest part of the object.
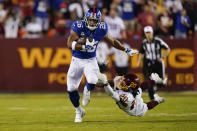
(130, 82)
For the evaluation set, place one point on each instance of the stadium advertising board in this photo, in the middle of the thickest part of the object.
(40, 65)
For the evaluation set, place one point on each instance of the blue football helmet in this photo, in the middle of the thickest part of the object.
(92, 18)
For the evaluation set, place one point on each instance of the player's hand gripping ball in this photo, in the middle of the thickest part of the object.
(81, 40)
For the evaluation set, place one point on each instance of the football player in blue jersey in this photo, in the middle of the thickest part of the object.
(84, 57)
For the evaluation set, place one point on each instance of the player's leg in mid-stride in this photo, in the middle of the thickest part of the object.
(90, 71)
(74, 77)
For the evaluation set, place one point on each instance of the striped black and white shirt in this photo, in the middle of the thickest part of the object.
(152, 50)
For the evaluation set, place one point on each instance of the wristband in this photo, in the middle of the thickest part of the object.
(83, 47)
(73, 45)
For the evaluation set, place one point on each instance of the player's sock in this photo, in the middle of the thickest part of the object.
(86, 96)
(74, 98)
(151, 92)
(152, 104)
(90, 86)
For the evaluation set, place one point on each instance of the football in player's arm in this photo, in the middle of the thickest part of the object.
(127, 92)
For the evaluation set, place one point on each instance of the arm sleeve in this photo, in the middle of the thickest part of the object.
(110, 92)
(141, 50)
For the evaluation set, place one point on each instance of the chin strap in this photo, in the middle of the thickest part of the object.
(91, 28)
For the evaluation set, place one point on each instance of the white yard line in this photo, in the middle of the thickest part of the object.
(56, 108)
(178, 115)
(98, 108)
(17, 108)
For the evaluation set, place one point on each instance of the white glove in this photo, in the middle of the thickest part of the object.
(156, 78)
(90, 46)
(130, 52)
(102, 78)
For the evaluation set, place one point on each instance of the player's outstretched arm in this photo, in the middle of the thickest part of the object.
(115, 43)
(103, 80)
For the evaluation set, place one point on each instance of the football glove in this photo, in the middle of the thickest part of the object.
(130, 52)
(102, 78)
(90, 46)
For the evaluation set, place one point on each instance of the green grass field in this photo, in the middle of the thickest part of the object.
(43, 112)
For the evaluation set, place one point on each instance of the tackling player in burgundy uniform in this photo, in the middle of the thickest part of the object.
(84, 56)
(127, 92)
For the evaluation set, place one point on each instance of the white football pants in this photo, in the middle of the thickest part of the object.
(77, 68)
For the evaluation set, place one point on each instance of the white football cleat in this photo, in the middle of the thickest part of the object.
(158, 98)
(80, 112)
(86, 96)
(156, 78)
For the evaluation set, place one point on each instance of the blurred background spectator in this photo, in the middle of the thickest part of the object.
(27, 10)
(182, 23)
(128, 13)
(3, 14)
(60, 24)
(41, 10)
(169, 18)
(116, 27)
(11, 24)
(146, 17)
(33, 29)
(165, 24)
(121, 60)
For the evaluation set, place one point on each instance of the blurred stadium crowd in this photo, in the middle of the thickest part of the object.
(52, 18)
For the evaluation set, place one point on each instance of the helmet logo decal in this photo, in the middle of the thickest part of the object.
(133, 85)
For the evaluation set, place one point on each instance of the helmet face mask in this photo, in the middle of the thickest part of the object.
(92, 18)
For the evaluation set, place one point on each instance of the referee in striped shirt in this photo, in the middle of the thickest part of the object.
(151, 54)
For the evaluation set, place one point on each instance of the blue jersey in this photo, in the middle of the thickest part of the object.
(40, 8)
(128, 12)
(180, 22)
(98, 34)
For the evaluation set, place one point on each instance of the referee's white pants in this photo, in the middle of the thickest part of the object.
(77, 68)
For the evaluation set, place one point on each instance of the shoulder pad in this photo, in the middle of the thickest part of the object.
(103, 25)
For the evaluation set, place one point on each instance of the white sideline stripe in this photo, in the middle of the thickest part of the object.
(167, 114)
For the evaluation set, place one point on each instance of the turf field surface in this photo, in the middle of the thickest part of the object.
(54, 112)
